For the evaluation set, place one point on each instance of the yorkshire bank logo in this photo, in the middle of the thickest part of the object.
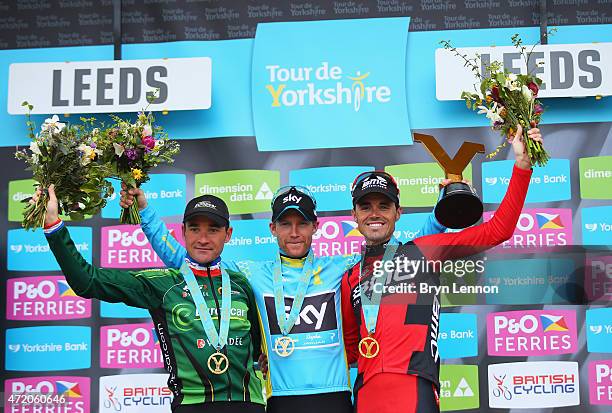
(537, 228)
(134, 393)
(73, 390)
(600, 382)
(126, 246)
(597, 225)
(543, 384)
(337, 89)
(549, 183)
(251, 240)
(44, 298)
(599, 330)
(337, 236)
(29, 251)
(245, 191)
(532, 333)
(459, 389)
(129, 346)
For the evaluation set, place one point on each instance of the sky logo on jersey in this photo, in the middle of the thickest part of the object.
(166, 194)
(126, 246)
(532, 333)
(44, 298)
(29, 251)
(129, 346)
(538, 228)
(331, 186)
(549, 183)
(418, 182)
(598, 278)
(599, 330)
(338, 89)
(135, 393)
(595, 177)
(542, 384)
(48, 348)
(316, 325)
(120, 310)
(531, 281)
(597, 225)
(72, 393)
(337, 236)
(246, 191)
(459, 387)
(600, 382)
(251, 240)
(458, 336)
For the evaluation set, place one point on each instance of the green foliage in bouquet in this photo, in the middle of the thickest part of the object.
(65, 155)
(507, 99)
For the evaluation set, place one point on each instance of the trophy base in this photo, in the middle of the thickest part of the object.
(459, 207)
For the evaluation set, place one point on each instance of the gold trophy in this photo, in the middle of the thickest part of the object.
(458, 206)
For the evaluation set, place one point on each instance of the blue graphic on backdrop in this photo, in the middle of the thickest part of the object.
(597, 225)
(331, 186)
(165, 193)
(48, 348)
(251, 240)
(409, 226)
(458, 336)
(120, 310)
(29, 251)
(599, 330)
(548, 183)
(330, 84)
(531, 281)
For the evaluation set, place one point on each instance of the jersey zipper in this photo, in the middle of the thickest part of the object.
(224, 350)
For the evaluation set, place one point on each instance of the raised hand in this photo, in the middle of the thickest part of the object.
(128, 196)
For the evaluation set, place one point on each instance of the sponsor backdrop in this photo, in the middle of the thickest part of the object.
(318, 118)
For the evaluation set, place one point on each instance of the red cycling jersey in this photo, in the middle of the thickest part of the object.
(407, 323)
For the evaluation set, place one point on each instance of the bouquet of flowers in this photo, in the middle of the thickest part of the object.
(131, 150)
(65, 155)
(507, 99)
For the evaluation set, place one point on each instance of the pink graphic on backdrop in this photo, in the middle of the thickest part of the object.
(532, 333)
(537, 228)
(598, 277)
(129, 346)
(75, 391)
(44, 298)
(600, 382)
(126, 246)
(337, 236)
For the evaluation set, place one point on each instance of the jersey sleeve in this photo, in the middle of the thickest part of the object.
(431, 226)
(163, 243)
(350, 326)
(484, 236)
(130, 287)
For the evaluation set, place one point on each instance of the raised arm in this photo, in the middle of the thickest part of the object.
(163, 243)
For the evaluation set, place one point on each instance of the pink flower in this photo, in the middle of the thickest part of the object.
(148, 142)
(534, 88)
(538, 109)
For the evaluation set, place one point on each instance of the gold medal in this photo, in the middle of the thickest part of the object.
(284, 346)
(371, 347)
(220, 361)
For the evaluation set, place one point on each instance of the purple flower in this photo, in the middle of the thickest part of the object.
(93, 145)
(148, 142)
(538, 109)
(131, 154)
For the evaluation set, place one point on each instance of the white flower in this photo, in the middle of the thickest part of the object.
(119, 149)
(53, 125)
(88, 154)
(81, 206)
(147, 130)
(493, 114)
(512, 77)
(34, 148)
(526, 92)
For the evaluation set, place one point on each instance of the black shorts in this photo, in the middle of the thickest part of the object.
(337, 402)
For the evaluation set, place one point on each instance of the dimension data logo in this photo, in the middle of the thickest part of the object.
(48, 348)
(596, 177)
(597, 225)
(339, 88)
(549, 183)
(72, 390)
(44, 298)
(459, 387)
(29, 251)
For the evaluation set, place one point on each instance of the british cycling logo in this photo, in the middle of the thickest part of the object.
(305, 90)
(134, 393)
(524, 385)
